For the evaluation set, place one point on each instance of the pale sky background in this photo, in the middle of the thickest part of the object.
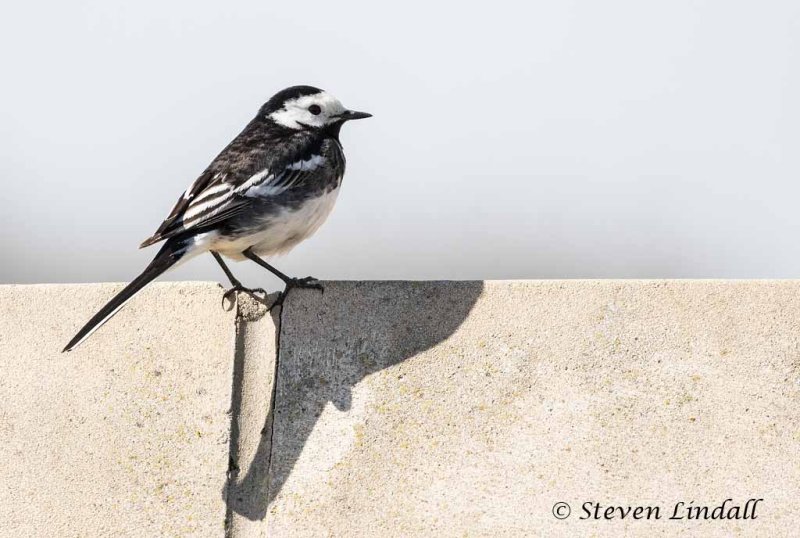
(510, 140)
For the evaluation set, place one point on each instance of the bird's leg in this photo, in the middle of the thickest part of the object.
(289, 282)
(307, 282)
(235, 284)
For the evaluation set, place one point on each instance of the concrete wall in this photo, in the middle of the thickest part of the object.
(402, 409)
(126, 436)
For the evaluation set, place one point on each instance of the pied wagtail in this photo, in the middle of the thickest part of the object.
(269, 189)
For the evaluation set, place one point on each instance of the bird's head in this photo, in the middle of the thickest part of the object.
(306, 107)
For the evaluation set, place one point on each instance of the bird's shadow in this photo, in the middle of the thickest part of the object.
(328, 343)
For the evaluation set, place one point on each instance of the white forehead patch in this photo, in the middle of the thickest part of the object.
(295, 111)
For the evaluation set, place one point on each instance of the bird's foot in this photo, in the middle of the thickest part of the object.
(308, 282)
(231, 293)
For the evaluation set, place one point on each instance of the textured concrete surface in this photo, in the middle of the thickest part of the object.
(401, 409)
(128, 434)
(470, 409)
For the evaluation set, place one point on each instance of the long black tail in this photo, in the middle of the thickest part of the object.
(170, 254)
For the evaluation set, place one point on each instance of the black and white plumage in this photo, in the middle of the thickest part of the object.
(272, 187)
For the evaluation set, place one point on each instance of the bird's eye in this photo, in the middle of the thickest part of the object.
(314, 109)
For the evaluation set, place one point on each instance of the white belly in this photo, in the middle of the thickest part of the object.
(281, 232)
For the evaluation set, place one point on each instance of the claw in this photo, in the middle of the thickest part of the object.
(278, 300)
(308, 282)
(254, 292)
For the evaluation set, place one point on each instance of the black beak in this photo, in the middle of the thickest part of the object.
(354, 115)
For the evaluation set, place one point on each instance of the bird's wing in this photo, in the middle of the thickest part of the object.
(204, 186)
(215, 197)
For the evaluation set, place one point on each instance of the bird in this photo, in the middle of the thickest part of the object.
(269, 189)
